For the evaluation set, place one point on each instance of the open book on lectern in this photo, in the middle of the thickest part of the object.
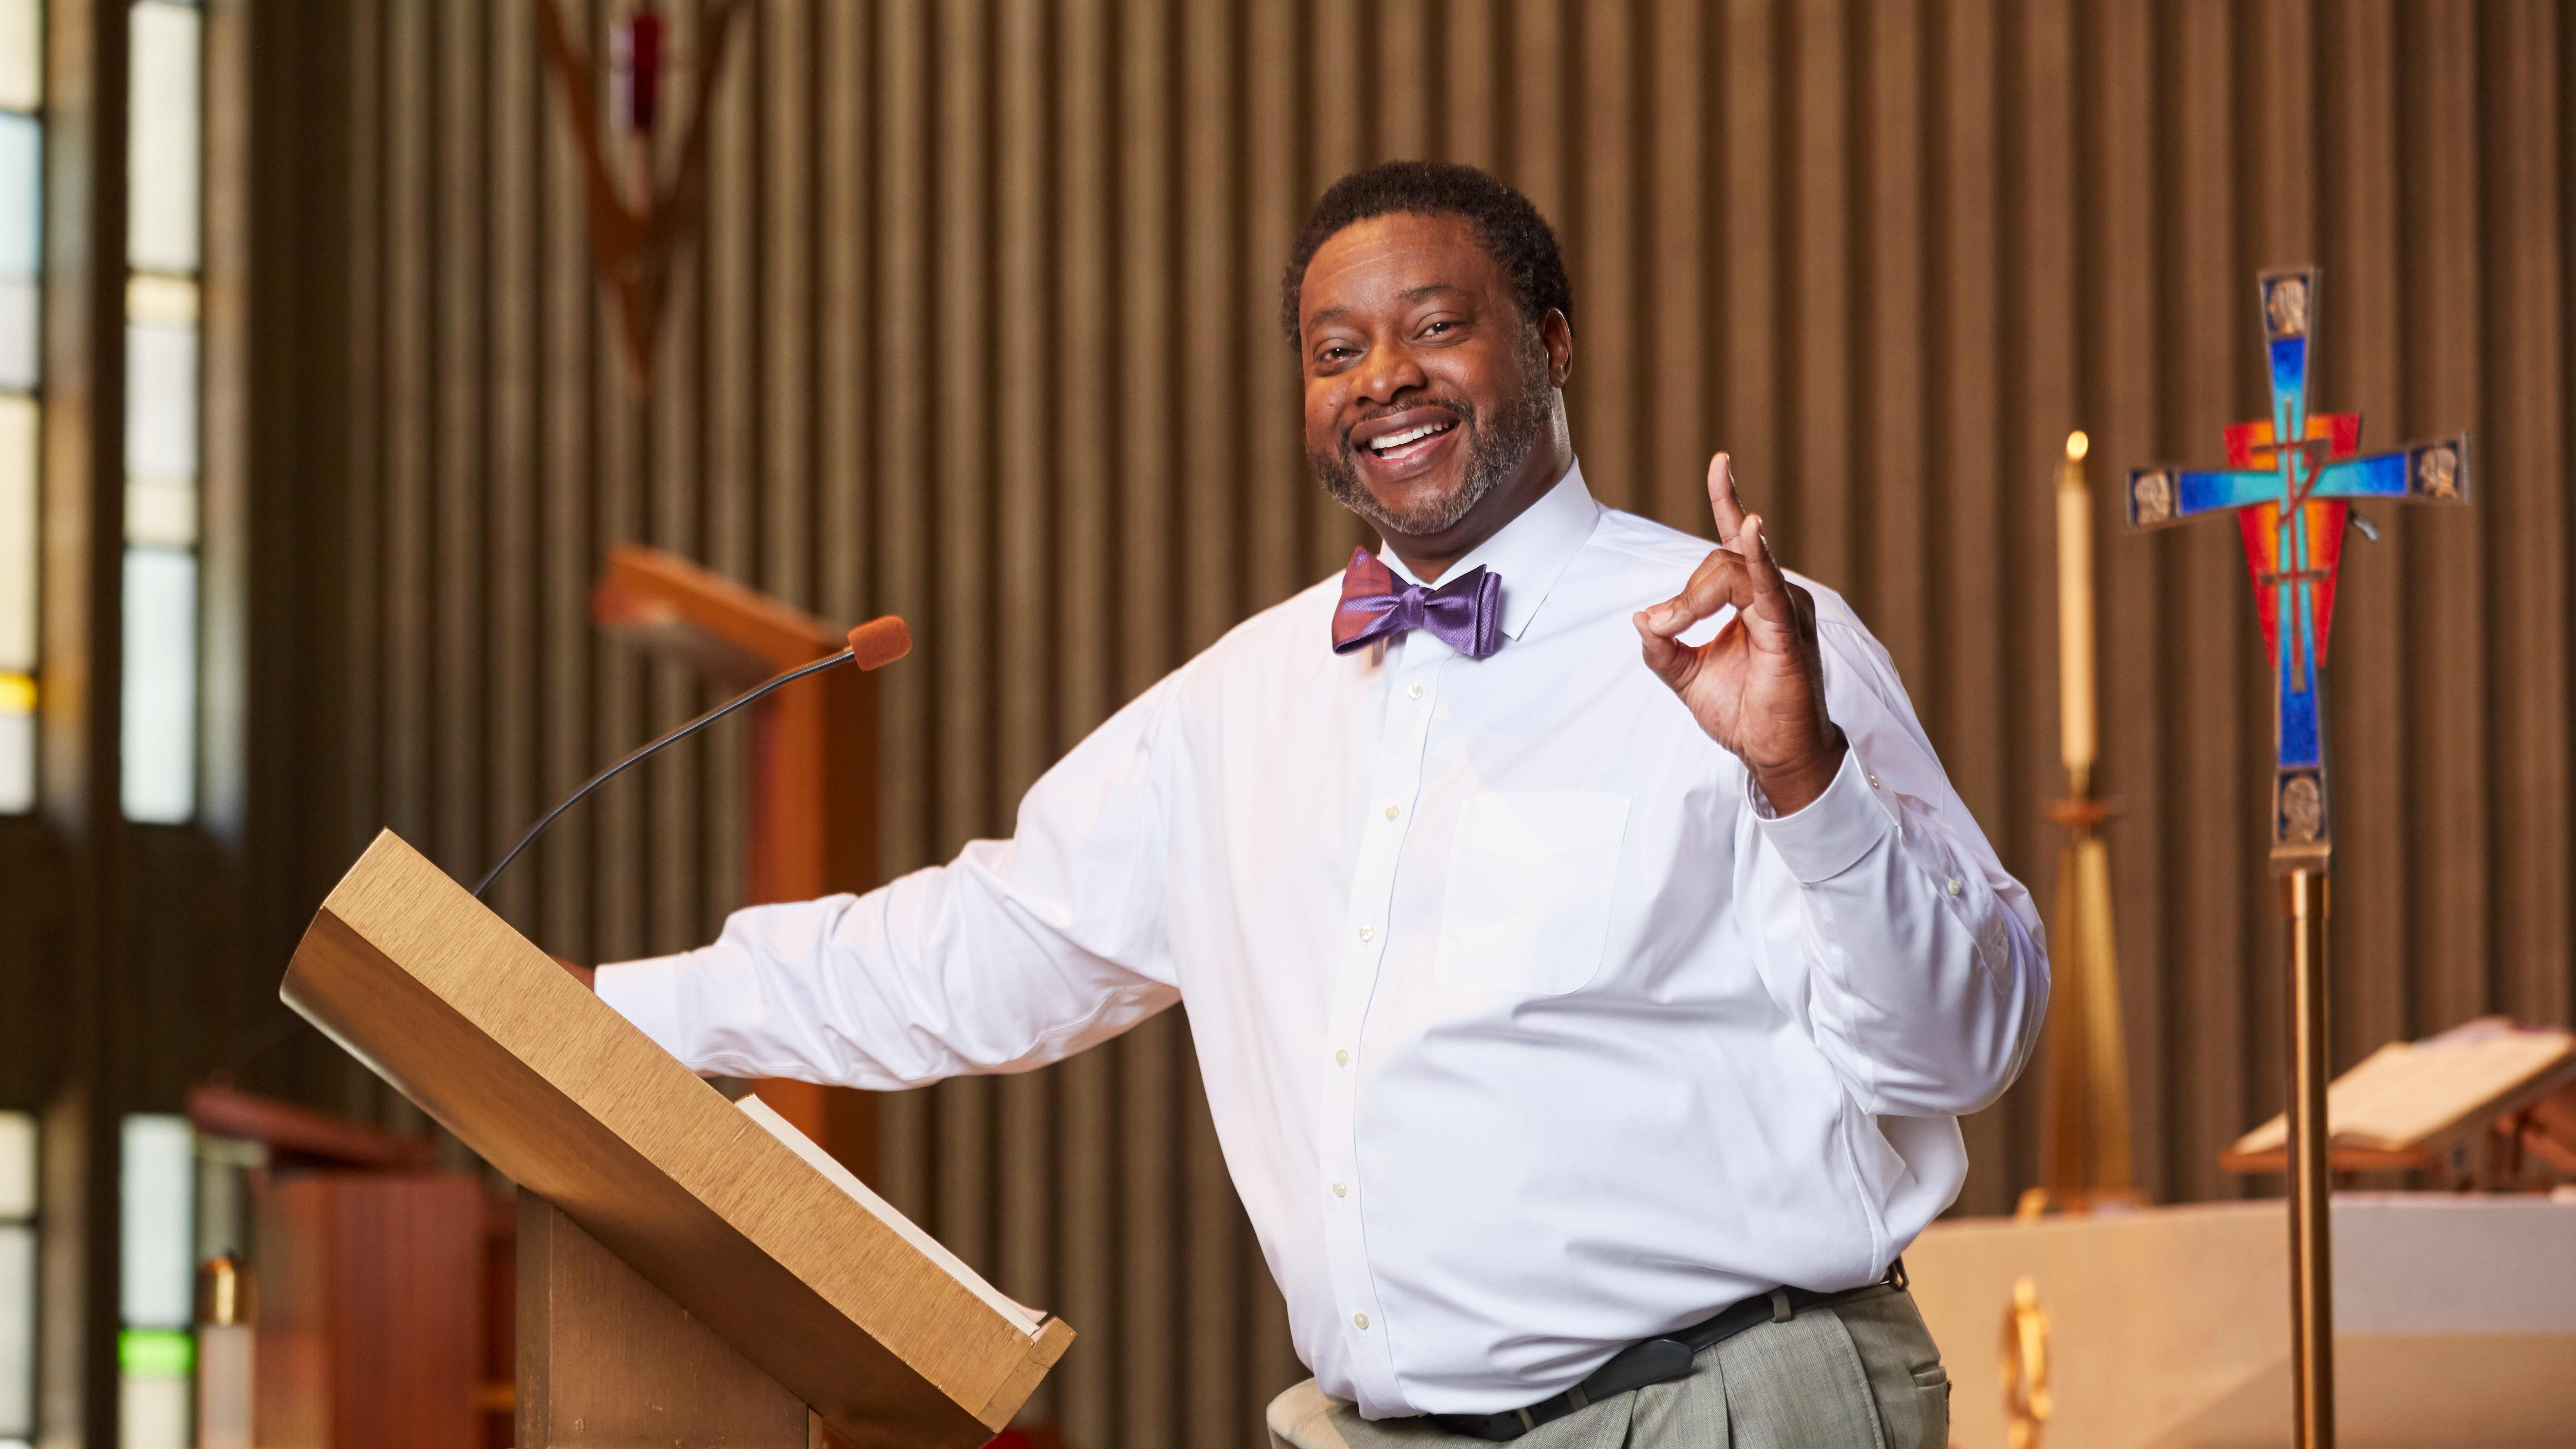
(727, 1209)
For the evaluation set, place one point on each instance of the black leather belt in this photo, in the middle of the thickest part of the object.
(1656, 1359)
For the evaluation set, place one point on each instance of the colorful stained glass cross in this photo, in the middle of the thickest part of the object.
(2292, 503)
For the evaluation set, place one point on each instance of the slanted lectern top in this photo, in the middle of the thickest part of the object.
(802, 1272)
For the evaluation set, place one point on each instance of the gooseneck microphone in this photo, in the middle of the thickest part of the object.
(878, 642)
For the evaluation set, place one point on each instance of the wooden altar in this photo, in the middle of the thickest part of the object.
(2168, 1328)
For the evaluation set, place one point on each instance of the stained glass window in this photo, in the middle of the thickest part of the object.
(17, 1280)
(156, 1280)
(164, 229)
(22, 176)
(21, 254)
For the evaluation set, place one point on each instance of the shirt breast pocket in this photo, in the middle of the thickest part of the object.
(1531, 875)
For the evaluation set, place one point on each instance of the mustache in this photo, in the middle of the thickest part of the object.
(1462, 409)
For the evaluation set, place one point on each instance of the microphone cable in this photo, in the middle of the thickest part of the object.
(876, 643)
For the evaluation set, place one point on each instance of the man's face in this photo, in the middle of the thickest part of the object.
(1425, 388)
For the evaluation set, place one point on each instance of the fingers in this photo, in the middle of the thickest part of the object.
(1754, 547)
(1673, 661)
(1743, 576)
(1776, 617)
(1770, 607)
(1721, 580)
(1722, 502)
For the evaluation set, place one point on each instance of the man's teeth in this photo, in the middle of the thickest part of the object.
(1409, 435)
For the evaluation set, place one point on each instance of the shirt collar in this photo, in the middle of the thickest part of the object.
(1530, 552)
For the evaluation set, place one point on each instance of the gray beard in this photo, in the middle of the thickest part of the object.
(1493, 454)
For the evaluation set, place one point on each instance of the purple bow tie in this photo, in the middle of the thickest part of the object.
(1466, 613)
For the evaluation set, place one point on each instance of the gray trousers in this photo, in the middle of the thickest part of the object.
(1860, 1374)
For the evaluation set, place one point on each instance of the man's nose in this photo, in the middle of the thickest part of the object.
(1389, 371)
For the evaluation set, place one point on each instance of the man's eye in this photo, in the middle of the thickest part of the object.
(1436, 328)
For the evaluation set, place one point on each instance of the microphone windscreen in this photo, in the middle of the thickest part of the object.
(880, 641)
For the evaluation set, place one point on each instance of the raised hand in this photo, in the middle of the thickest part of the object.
(1758, 688)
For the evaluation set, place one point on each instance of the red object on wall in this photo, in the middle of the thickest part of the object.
(635, 74)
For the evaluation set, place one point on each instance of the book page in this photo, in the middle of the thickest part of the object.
(1027, 1320)
(2407, 1093)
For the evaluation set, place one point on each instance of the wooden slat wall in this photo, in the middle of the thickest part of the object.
(980, 330)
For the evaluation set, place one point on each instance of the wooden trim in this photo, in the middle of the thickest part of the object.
(647, 588)
(2341, 1159)
(1044, 1350)
(283, 1127)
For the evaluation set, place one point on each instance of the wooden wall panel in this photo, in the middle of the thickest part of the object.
(2448, 556)
(2527, 563)
(2122, 244)
(2209, 667)
(1963, 701)
(1816, 373)
(1891, 584)
(695, 481)
(981, 329)
(2360, 215)
(1084, 1390)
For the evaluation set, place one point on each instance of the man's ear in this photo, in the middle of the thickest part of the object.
(1556, 335)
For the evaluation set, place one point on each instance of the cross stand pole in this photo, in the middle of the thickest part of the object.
(2291, 481)
(2303, 899)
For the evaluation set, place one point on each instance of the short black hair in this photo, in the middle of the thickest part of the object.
(1510, 227)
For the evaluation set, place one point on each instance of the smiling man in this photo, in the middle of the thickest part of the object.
(1586, 955)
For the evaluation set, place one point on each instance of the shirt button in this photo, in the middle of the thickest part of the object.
(1873, 779)
(1341, 1059)
(1360, 1318)
(1392, 811)
(1954, 885)
(1341, 1190)
(1370, 934)
(1413, 691)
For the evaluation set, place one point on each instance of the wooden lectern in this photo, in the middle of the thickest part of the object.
(2427, 1106)
(691, 1272)
(812, 791)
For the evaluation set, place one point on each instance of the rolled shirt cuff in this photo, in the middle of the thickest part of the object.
(647, 993)
(1835, 829)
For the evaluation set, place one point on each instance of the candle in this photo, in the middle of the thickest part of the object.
(2075, 619)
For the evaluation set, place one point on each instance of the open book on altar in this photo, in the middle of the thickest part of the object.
(2411, 1096)
(1031, 1320)
(728, 1210)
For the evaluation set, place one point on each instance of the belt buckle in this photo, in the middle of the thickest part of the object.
(1648, 1361)
(1651, 1361)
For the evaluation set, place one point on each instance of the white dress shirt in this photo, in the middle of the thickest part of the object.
(1529, 1030)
